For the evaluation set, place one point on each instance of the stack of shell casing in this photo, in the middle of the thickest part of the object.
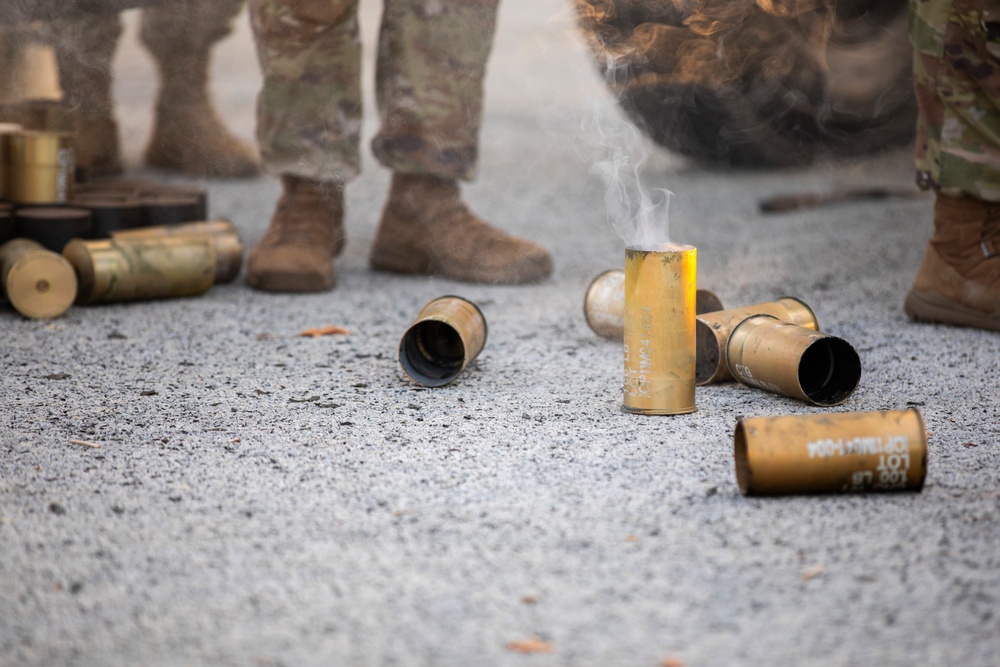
(777, 346)
(121, 239)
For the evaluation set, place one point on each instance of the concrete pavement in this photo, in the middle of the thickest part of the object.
(260, 498)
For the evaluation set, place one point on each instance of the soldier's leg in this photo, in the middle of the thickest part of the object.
(431, 65)
(308, 128)
(85, 48)
(957, 80)
(188, 134)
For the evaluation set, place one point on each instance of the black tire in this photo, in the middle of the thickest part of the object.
(737, 85)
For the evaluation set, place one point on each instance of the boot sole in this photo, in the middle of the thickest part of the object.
(391, 262)
(935, 308)
(295, 283)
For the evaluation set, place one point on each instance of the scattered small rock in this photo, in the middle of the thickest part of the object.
(58, 376)
(117, 335)
(812, 572)
(57, 509)
(148, 392)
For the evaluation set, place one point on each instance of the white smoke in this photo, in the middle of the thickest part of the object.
(639, 218)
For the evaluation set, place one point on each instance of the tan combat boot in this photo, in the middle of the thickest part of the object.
(307, 231)
(85, 48)
(188, 134)
(427, 229)
(959, 279)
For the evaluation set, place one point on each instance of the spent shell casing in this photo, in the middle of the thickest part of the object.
(792, 360)
(448, 333)
(169, 209)
(40, 167)
(831, 453)
(659, 337)
(713, 330)
(109, 213)
(53, 226)
(222, 234)
(604, 304)
(112, 270)
(39, 283)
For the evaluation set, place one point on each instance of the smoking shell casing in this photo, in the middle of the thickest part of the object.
(53, 226)
(109, 213)
(659, 342)
(831, 453)
(447, 335)
(40, 167)
(604, 303)
(222, 234)
(713, 330)
(113, 270)
(792, 360)
(39, 283)
(169, 209)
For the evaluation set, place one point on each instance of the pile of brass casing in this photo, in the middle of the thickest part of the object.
(713, 330)
(38, 283)
(659, 331)
(604, 304)
(831, 453)
(448, 333)
(788, 359)
(221, 234)
(113, 270)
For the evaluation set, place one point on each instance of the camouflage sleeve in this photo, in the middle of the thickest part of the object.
(957, 83)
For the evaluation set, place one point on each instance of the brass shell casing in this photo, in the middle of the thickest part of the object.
(222, 234)
(53, 226)
(831, 453)
(40, 167)
(112, 270)
(659, 336)
(713, 330)
(792, 360)
(39, 283)
(447, 335)
(604, 304)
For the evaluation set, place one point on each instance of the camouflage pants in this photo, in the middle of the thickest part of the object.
(957, 83)
(429, 82)
(85, 45)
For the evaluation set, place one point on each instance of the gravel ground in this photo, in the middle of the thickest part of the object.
(262, 498)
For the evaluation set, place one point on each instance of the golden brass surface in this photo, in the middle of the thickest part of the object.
(40, 167)
(713, 331)
(39, 284)
(222, 234)
(112, 270)
(604, 304)
(659, 332)
(448, 333)
(831, 453)
(789, 359)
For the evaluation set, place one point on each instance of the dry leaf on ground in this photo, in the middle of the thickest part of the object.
(532, 645)
(328, 330)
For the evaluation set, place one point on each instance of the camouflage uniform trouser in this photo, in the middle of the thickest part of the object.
(957, 82)
(176, 28)
(429, 82)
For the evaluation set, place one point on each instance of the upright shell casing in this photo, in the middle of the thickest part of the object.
(659, 335)
(831, 453)
(40, 167)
